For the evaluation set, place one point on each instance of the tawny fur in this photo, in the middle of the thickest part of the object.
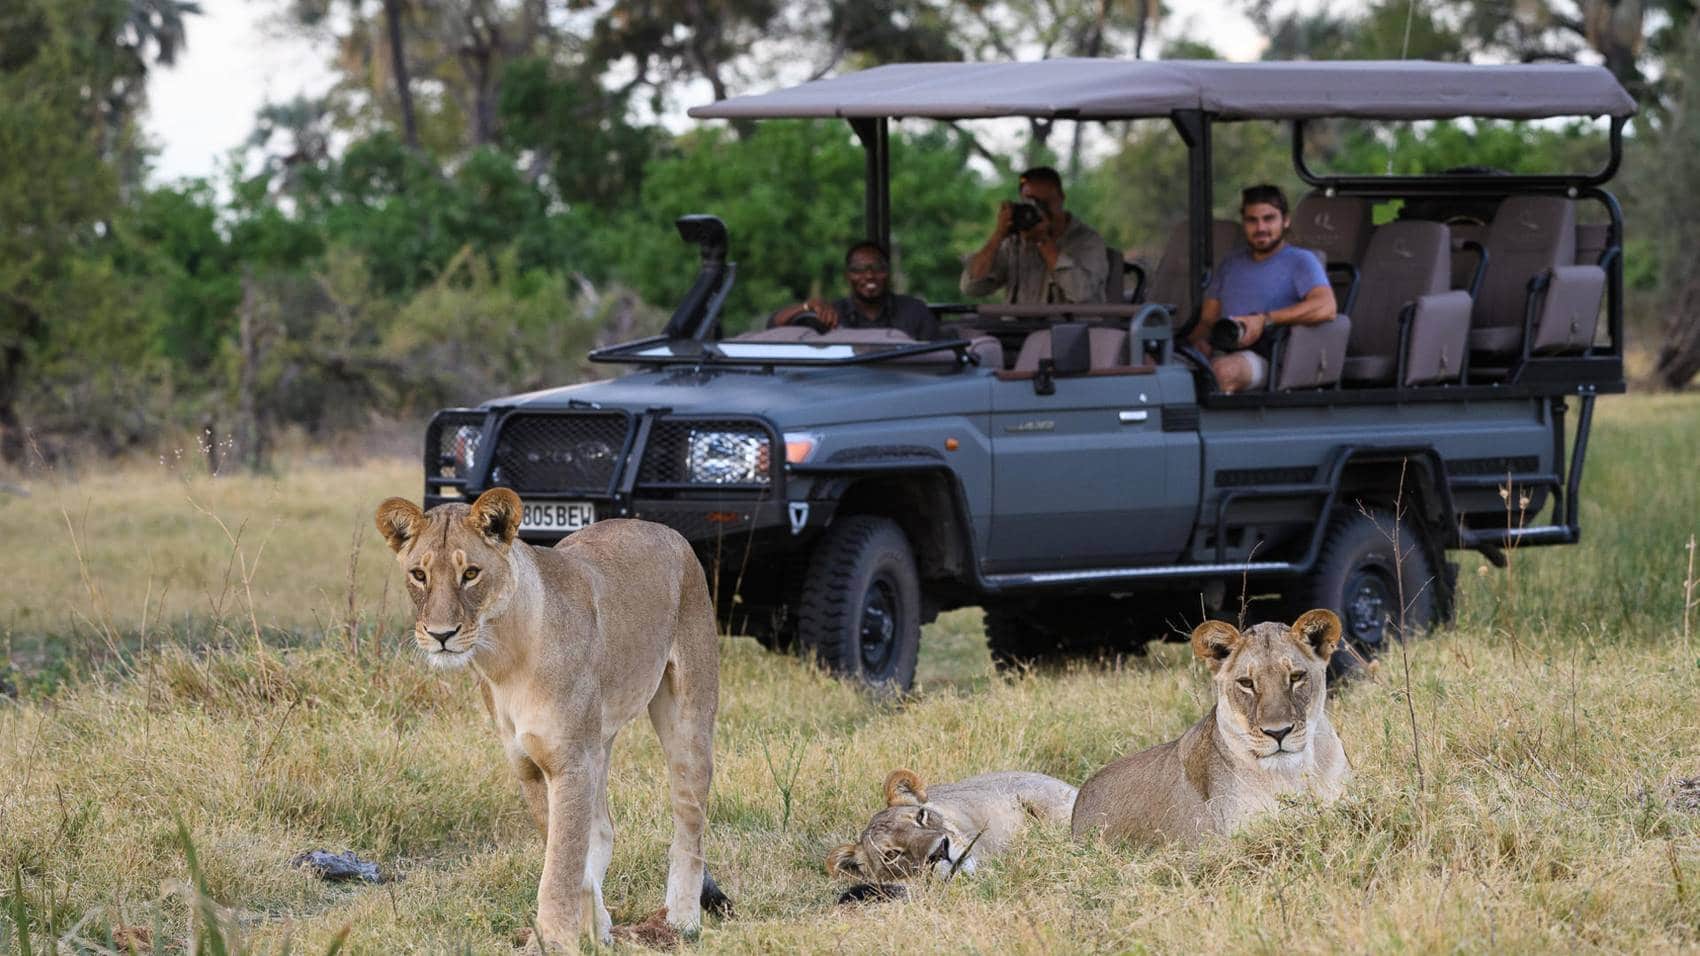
(951, 826)
(570, 644)
(1227, 768)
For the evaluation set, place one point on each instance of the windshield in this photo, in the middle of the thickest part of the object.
(813, 350)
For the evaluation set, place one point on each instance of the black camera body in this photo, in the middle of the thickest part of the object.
(1225, 335)
(1024, 215)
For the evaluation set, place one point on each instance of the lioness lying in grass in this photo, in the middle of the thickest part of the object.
(1267, 735)
(949, 827)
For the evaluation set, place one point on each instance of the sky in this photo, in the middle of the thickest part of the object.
(204, 106)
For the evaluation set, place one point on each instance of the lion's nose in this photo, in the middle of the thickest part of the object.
(1277, 733)
(443, 636)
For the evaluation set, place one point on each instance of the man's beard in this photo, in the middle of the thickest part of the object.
(1268, 245)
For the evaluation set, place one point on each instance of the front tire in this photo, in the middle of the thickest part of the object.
(860, 614)
(1359, 577)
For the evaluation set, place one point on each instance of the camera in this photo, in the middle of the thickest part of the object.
(1225, 335)
(1024, 215)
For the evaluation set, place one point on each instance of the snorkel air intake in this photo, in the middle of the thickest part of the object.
(699, 311)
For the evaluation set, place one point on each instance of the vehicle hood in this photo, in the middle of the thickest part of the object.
(788, 397)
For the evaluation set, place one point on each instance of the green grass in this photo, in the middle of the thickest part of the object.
(1550, 724)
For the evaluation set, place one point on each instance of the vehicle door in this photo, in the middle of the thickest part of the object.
(1086, 476)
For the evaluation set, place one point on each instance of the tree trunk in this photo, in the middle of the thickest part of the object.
(1679, 356)
(25, 322)
(398, 68)
(251, 431)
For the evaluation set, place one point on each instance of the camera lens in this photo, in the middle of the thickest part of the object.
(1225, 335)
(1024, 216)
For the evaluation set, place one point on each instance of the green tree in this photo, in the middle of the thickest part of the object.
(791, 195)
(60, 130)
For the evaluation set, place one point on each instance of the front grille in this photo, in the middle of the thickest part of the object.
(575, 454)
(709, 453)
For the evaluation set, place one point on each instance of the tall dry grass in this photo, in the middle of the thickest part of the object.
(1552, 723)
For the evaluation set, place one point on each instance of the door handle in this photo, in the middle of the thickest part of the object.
(1132, 418)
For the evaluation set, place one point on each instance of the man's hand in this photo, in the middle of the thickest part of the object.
(1251, 328)
(825, 312)
(1006, 216)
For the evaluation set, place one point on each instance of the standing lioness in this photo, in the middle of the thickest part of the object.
(1268, 735)
(570, 644)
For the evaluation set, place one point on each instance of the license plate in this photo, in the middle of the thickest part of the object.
(556, 515)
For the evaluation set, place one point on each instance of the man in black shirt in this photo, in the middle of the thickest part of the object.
(871, 303)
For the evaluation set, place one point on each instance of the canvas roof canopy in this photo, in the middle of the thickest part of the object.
(1101, 89)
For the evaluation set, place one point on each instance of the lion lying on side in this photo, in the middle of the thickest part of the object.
(950, 826)
(570, 644)
(1267, 735)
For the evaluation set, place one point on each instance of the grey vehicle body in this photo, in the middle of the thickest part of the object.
(1083, 507)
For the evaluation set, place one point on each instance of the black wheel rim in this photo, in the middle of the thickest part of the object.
(878, 632)
(1369, 602)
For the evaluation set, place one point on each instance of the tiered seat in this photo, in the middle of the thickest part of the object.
(1408, 327)
(1337, 229)
(1169, 284)
(1533, 288)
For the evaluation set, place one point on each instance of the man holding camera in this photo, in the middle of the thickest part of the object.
(1038, 252)
(1260, 287)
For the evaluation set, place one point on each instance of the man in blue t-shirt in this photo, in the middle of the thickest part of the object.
(1262, 285)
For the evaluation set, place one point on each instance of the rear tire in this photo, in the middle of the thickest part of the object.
(1358, 577)
(861, 604)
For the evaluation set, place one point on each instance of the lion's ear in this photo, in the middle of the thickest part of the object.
(495, 515)
(904, 787)
(1318, 630)
(399, 521)
(1213, 641)
(842, 861)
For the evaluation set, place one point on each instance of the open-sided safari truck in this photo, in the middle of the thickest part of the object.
(1074, 469)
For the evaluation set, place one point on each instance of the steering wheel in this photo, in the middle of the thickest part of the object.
(1201, 369)
(809, 319)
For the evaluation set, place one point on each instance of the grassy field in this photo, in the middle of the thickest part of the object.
(228, 656)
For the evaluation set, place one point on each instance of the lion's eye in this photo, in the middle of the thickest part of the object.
(1245, 684)
(469, 575)
(1298, 677)
(418, 575)
(921, 817)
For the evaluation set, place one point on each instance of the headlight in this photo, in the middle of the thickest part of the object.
(464, 448)
(727, 458)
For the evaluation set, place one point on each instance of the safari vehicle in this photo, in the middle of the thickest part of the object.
(1074, 469)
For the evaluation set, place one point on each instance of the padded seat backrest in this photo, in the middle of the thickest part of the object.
(1529, 235)
(868, 336)
(779, 333)
(1336, 227)
(1169, 284)
(1591, 239)
(1405, 259)
(1109, 349)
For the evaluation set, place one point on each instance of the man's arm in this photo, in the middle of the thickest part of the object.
(1315, 308)
(987, 269)
(1207, 316)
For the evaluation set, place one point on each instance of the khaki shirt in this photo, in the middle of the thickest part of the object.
(1082, 266)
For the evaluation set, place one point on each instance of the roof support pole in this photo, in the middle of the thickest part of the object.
(875, 134)
(1194, 127)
